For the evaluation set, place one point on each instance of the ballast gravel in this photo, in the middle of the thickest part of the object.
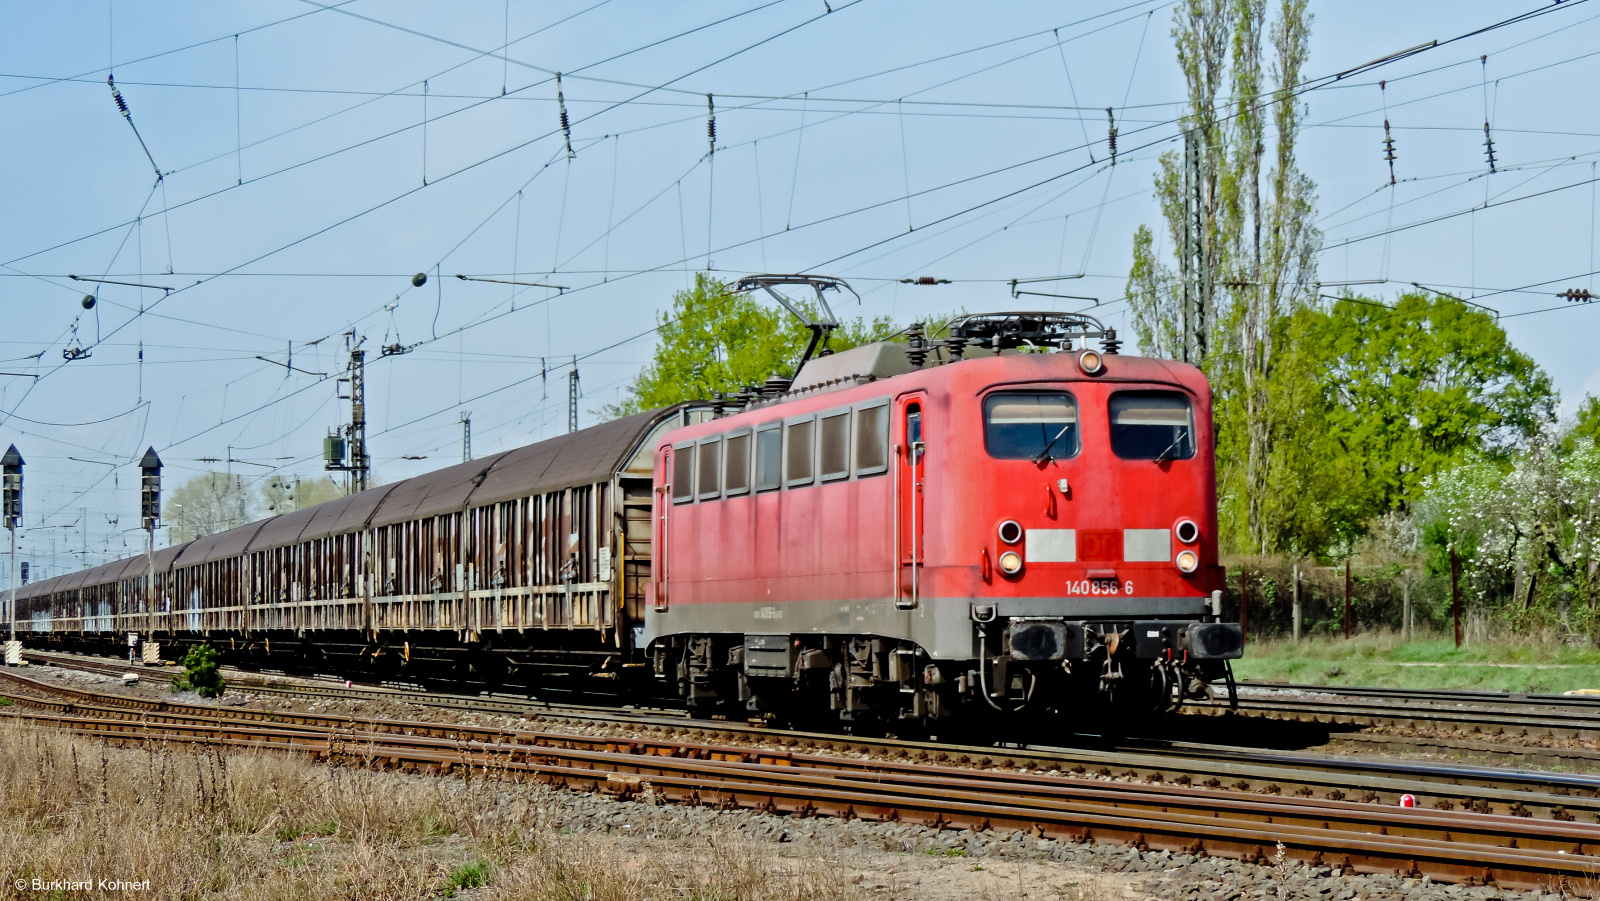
(1013, 858)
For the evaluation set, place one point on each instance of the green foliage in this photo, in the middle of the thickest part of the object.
(212, 502)
(201, 672)
(714, 340)
(1365, 404)
(1300, 498)
(1431, 660)
(1588, 426)
(468, 875)
(1439, 376)
(1414, 389)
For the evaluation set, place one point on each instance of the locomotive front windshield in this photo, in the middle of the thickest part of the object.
(1030, 426)
(1152, 426)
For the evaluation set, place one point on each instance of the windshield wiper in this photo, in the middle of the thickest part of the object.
(1045, 454)
(1164, 455)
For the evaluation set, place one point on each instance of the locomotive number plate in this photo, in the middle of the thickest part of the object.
(1100, 587)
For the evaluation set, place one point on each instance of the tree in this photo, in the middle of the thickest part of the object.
(715, 340)
(1527, 524)
(1245, 239)
(287, 493)
(208, 503)
(1304, 511)
(1415, 388)
(1588, 425)
(1174, 311)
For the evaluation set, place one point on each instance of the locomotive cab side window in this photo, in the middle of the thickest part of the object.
(710, 475)
(1031, 425)
(872, 439)
(682, 473)
(769, 457)
(799, 442)
(736, 465)
(835, 451)
(1152, 425)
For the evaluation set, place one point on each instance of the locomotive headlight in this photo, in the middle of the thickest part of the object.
(1010, 531)
(1187, 531)
(1011, 563)
(1091, 362)
(1188, 562)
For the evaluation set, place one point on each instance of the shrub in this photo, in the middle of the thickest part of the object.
(468, 875)
(201, 672)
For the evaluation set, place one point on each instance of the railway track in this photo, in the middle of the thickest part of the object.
(1534, 716)
(1444, 695)
(1471, 712)
(1538, 794)
(1526, 794)
(1512, 852)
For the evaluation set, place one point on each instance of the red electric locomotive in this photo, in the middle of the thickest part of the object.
(1003, 520)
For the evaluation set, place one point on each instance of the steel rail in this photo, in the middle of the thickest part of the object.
(334, 690)
(1556, 796)
(1448, 695)
(1482, 721)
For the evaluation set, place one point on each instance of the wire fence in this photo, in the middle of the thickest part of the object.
(1335, 601)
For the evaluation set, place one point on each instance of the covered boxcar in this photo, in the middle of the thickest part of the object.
(528, 562)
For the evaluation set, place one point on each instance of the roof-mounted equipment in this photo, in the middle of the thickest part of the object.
(1008, 331)
(820, 327)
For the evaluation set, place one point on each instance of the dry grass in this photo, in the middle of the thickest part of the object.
(587, 870)
(197, 822)
(202, 823)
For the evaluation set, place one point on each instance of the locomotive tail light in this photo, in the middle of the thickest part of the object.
(1011, 563)
(1188, 561)
(1091, 362)
(1186, 531)
(1010, 531)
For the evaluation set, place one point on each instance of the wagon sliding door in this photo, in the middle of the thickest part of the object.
(910, 467)
(663, 504)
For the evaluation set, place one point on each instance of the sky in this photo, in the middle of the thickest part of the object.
(314, 156)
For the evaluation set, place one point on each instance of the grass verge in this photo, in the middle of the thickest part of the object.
(1428, 661)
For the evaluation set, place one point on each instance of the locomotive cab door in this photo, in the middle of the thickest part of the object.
(910, 477)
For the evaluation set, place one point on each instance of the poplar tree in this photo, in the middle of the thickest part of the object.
(1239, 213)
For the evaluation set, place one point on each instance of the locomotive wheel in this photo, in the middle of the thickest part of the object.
(702, 708)
(1165, 682)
